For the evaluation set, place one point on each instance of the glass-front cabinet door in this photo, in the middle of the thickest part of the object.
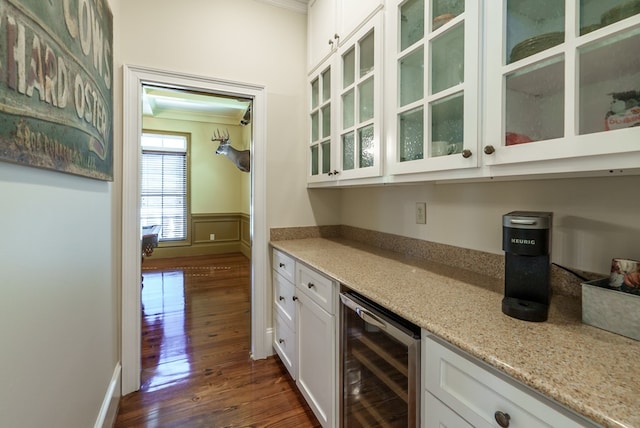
(563, 81)
(346, 109)
(360, 102)
(320, 151)
(434, 121)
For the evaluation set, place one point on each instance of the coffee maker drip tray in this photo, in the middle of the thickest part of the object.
(525, 310)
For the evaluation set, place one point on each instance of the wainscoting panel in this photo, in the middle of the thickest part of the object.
(224, 227)
(232, 233)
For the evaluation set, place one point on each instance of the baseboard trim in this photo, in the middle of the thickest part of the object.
(109, 409)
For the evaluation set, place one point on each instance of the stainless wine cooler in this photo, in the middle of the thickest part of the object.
(379, 366)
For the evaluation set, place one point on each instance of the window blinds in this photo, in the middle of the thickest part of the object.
(164, 193)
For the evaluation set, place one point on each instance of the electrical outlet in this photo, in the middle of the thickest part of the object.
(421, 213)
(212, 237)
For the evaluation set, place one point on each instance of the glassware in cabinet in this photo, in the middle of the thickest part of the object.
(563, 75)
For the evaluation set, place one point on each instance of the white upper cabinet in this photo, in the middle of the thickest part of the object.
(332, 21)
(433, 86)
(473, 89)
(322, 33)
(346, 109)
(563, 86)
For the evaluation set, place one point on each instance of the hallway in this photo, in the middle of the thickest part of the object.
(196, 370)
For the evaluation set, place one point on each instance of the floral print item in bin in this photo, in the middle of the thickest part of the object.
(625, 275)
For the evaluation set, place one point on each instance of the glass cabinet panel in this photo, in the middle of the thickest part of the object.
(348, 109)
(411, 23)
(444, 11)
(447, 125)
(326, 85)
(365, 139)
(367, 54)
(348, 151)
(326, 121)
(447, 60)
(411, 135)
(534, 102)
(315, 93)
(348, 68)
(609, 83)
(596, 14)
(314, 126)
(314, 160)
(533, 26)
(365, 103)
(326, 156)
(412, 77)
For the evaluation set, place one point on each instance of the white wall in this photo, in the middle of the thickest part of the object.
(58, 325)
(595, 219)
(59, 308)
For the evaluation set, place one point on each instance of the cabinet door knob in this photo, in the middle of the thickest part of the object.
(489, 150)
(281, 298)
(310, 285)
(466, 153)
(502, 418)
(280, 340)
(295, 298)
(330, 42)
(281, 265)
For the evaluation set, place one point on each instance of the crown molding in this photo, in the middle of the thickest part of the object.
(299, 6)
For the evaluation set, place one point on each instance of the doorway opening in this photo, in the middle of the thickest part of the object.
(135, 80)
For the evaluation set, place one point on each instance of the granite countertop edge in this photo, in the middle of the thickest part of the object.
(588, 370)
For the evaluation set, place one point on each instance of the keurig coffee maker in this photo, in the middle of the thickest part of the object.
(526, 241)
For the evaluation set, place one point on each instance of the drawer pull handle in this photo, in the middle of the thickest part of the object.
(502, 418)
(280, 340)
(310, 285)
(295, 298)
(281, 265)
(281, 298)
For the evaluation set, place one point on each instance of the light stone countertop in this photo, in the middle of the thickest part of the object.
(591, 371)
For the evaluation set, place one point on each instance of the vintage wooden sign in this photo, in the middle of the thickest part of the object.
(56, 85)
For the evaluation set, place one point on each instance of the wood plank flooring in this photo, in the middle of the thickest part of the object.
(196, 370)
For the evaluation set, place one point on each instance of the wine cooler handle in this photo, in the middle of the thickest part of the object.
(370, 318)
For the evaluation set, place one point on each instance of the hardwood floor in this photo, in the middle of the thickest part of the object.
(196, 370)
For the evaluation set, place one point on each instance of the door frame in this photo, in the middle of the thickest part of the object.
(134, 77)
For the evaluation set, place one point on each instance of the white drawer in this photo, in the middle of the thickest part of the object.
(317, 286)
(477, 394)
(283, 292)
(284, 343)
(284, 264)
(438, 415)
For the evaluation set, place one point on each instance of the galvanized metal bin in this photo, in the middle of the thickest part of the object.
(611, 310)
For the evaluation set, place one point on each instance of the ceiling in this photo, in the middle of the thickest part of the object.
(168, 103)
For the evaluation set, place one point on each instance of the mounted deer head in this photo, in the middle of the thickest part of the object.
(240, 158)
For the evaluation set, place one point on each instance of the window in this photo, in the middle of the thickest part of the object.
(163, 188)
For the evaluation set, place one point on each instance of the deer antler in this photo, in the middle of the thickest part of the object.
(217, 136)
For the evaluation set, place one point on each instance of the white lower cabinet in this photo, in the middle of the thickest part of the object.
(316, 359)
(464, 392)
(285, 345)
(305, 335)
(440, 415)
